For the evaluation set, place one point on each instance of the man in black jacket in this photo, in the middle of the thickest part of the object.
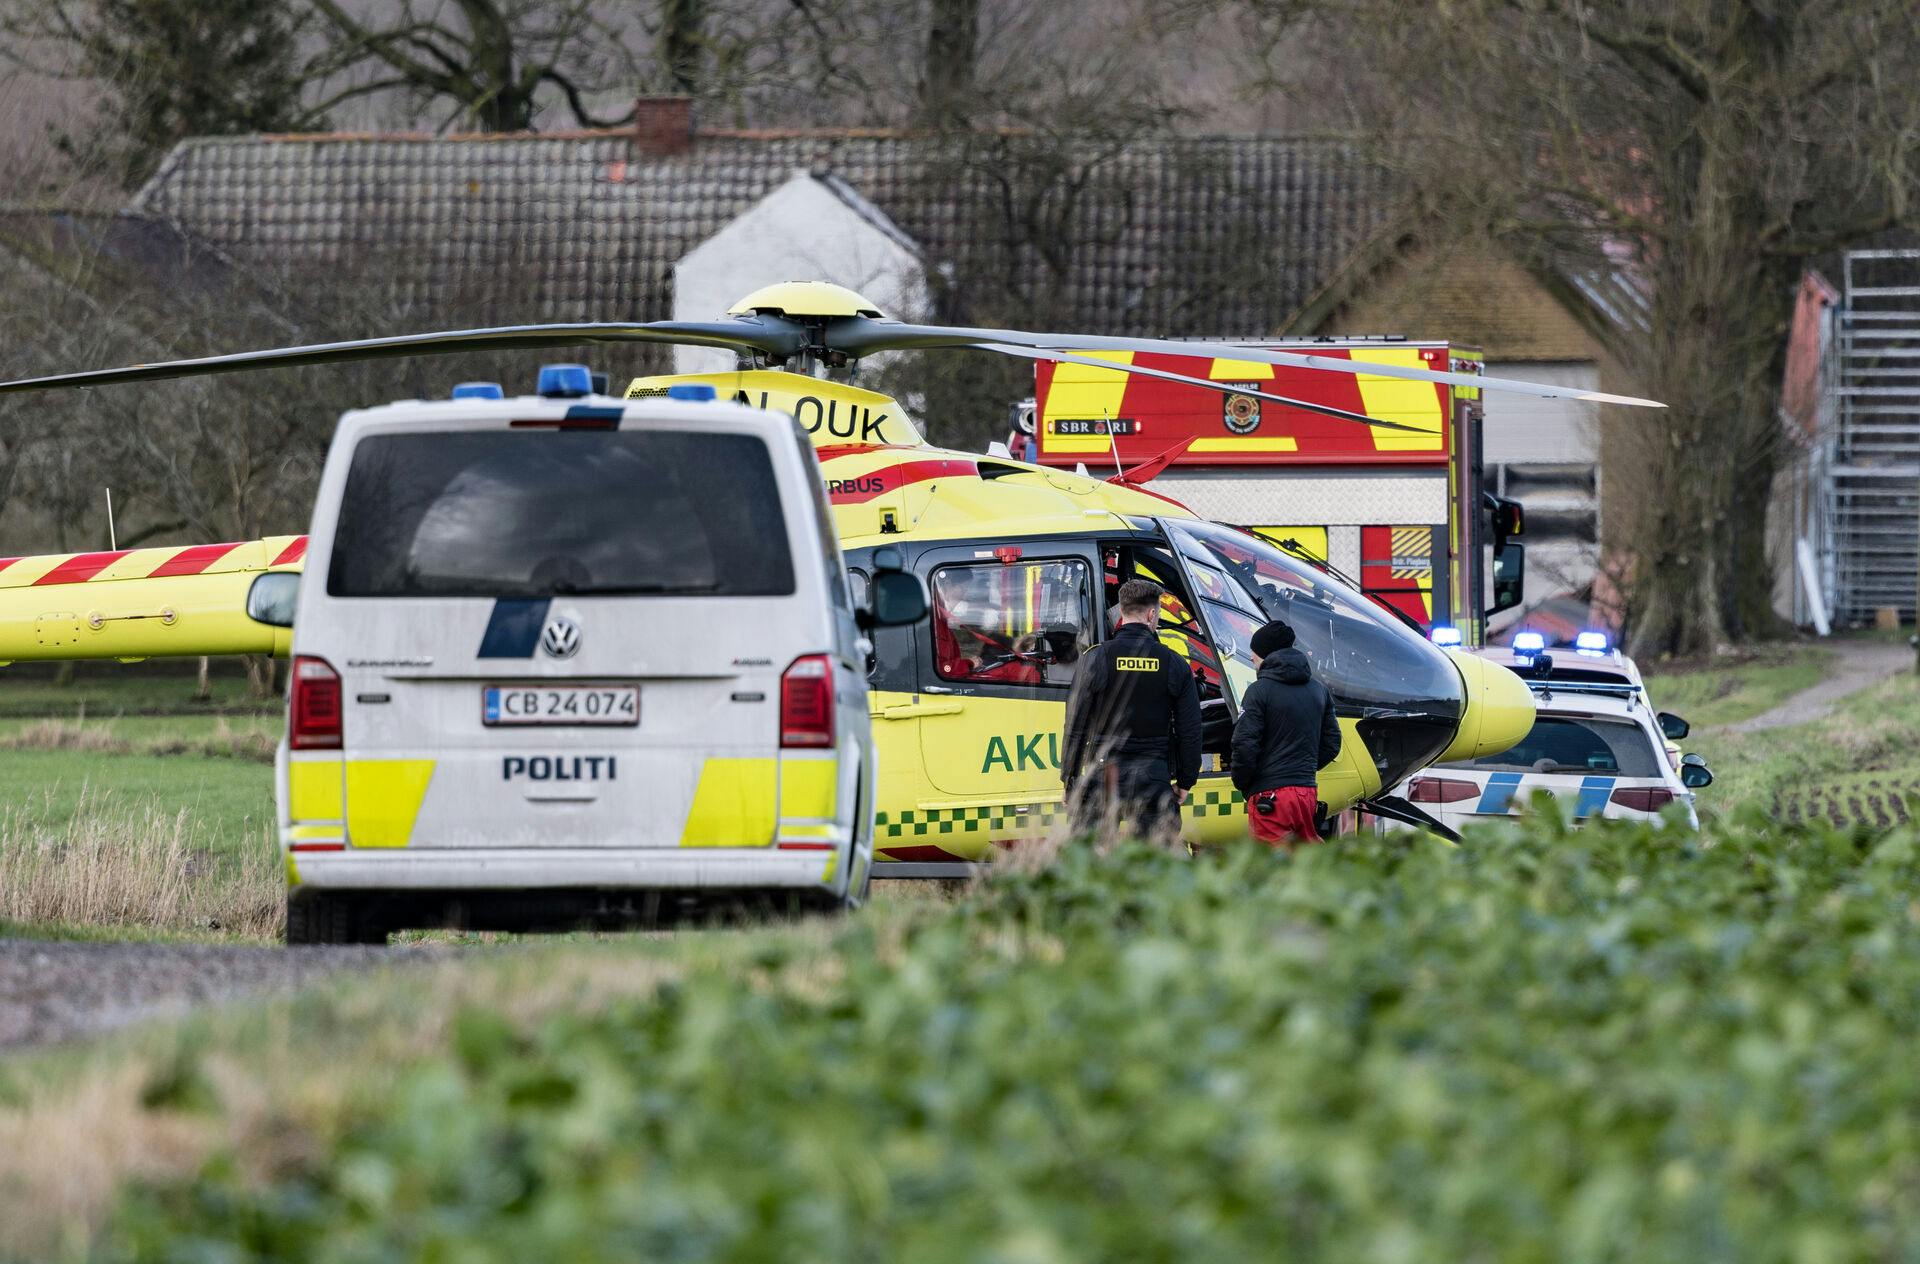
(1132, 739)
(1286, 733)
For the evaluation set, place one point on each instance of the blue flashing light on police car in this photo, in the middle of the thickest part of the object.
(1591, 642)
(565, 381)
(1529, 642)
(1445, 636)
(696, 392)
(478, 390)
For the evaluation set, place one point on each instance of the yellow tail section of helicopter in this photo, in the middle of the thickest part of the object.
(142, 603)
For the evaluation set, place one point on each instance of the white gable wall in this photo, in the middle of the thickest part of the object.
(801, 231)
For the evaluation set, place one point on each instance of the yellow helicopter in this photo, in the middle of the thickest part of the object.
(1021, 562)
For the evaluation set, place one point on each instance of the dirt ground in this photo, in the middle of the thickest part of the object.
(1860, 665)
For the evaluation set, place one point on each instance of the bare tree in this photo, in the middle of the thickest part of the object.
(682, 43)
(170, 69)
(953, 48)
(482, 64)
(1683, 158)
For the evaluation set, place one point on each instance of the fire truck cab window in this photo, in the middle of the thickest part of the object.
(1022, 624)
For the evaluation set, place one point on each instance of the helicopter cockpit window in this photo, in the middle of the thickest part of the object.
(1365, 656)
(1021, 624)
(525, 514)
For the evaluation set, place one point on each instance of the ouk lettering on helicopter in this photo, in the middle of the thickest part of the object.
(856, 423)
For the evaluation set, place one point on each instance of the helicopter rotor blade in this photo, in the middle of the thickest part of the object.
(769, 335)
(1224, 388)
(860, 336)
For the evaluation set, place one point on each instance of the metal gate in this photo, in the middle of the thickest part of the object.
(1871, 489)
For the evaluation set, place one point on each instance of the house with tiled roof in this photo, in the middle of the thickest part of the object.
(1172, 236)
(600, 219)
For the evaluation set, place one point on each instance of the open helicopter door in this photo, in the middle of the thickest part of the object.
(1009, 624)
(1207, 621)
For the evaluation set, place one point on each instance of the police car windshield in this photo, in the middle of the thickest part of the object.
(536, 514)
(1364, 656)
(1577, 745)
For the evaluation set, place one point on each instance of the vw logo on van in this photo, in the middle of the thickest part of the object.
(560, 638)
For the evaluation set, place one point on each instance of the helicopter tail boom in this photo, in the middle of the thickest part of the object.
(173, 602)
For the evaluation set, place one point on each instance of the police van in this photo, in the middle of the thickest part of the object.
(572, 660)
(1596, 744)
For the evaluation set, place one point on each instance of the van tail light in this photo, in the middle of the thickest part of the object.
(1441, 790)
(1642, 798)
(806, 703)
(313, 712)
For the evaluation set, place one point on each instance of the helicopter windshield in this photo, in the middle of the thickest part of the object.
(1369, 661)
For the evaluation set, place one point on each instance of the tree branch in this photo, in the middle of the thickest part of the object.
(580, 112)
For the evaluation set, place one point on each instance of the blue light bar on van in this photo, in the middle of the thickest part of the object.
(697, 392)
(479, 390)
(565, 381)
(1444, 635)
(1594, 642)
(1529, 642)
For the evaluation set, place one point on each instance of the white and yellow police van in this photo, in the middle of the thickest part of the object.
(571, 660)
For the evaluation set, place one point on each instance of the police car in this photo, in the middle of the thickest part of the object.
(572, 660)
(1596, 743)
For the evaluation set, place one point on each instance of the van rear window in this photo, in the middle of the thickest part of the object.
(534, 514)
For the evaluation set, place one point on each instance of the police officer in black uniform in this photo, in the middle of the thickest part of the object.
(1132, 735)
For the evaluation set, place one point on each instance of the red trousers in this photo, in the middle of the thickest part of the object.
(1291, 820)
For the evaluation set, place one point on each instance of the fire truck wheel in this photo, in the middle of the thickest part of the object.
(313, 918)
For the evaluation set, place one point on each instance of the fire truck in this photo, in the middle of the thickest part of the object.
(1398, 507)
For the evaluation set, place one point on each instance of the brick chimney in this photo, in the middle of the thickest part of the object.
(663, 126)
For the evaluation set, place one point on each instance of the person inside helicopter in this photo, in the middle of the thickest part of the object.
(1010, 624)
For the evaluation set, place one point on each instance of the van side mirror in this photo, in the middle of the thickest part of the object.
(1672, 727)
(1509, 576)
(272, 597)
(895, 597)
(1694, 773)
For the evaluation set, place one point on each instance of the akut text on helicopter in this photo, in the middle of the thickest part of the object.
(1022, 563)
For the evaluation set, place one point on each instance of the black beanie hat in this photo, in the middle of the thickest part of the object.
(1271, 637)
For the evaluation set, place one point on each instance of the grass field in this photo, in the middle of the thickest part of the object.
(1855, 766)
(34, 690)
(119, 821)
(1738, 687)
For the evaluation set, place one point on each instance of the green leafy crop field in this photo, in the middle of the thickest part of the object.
(1618, 1043)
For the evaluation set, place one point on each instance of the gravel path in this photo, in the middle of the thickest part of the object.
(1861, 665)
(52, 990)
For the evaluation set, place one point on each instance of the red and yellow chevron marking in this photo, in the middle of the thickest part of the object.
(886, 490)
(1152, 415)
(1396, 568)
(175, 601)
(169, 561)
